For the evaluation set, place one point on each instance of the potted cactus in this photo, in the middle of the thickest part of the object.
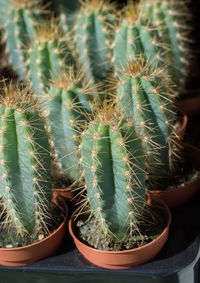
(115, 205)
(32, 227)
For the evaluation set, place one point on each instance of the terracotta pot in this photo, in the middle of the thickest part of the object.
(191, 106)
(178, 196)
(34, 252)
(127, 258)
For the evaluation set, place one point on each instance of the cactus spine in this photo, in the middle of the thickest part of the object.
(24, 163)
(114, 170)
(146, 98)
(173, 21)
(19, 18)
(92, 36)
(67, 106)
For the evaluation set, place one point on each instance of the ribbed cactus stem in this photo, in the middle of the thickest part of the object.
(173, 20)
(24, 163)
(93, 37)
(134, 37)
(114, 170)
(19, 18)
(48, 55)
(67, 107)
(144, 97)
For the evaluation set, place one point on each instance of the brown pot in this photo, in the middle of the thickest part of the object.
(191, 106)
(65, 193)
(34, 252)
(127, 258)
(174, 197)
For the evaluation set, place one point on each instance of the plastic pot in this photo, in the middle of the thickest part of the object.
(178, 196)
(36, 251)
(127, 258)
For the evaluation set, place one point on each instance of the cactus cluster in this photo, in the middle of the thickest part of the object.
(24, 163)
(112, 145)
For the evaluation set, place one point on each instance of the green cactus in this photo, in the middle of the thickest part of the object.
(114, 170)
(144, 96)
(49, 55)
(135, 36)
(67, 107)
(93, 37)
(172, 18)
(24, 163)
(18, 20)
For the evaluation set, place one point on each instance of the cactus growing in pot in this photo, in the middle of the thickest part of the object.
(25, 163)
(115, 203)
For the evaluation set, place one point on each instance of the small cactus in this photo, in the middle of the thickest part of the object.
(173, 20)
(67, 107)
(49, 55)
(136, 36)
(18, 20)
(24, 163)
(143, 95)
(93, 37)
(114, 171)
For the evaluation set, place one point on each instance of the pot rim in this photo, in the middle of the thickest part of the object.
(167, 225)
(46, 238)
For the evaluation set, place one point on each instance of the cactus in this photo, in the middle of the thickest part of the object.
(93, 37)
(114, 170)
(173, 21)
(144, 96)
(24, 163)
(49, 55)
(135, 36)
(18, 20)
(67, 107)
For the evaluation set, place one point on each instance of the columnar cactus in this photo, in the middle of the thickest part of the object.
(172, 18)
(114, 170)
(67, 107)
(49, 55)
(24, 163)
(18, 20)
(136, 36)
(143, 95)
(93, 37)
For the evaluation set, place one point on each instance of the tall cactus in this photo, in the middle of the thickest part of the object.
(93, 37)
(49, 55)
(136, 36)
(147, 98)
(18, 20)
(173, 20)
(114, 170)
(67, 107)
(24, 163)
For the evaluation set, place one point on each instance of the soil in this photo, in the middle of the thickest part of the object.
(9, 238)
(150, 226)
